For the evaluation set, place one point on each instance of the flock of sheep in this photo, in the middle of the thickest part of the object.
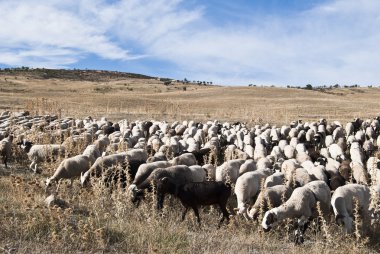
(302, 171)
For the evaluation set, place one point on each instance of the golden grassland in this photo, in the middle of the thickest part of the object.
(136, 98)
(98, 220)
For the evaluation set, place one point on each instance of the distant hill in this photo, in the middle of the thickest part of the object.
(77, 75)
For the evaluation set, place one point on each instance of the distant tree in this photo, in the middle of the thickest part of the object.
(336, 86)
(309, 87)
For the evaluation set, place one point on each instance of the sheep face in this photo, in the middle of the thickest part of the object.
(25, 145)
(321, 161)
(136, 194)
(269, 220)
(344, 221)
(340, 158)
(84, 180)
(164, 185)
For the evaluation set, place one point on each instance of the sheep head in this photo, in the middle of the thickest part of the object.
(269, 220)
(344, 221)
(84, 179)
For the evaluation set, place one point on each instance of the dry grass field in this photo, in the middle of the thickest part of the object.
(98, 221)
(142, 98)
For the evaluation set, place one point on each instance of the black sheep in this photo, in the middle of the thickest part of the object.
(192, 195)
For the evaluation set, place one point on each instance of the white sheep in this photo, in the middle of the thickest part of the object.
(211, 171)
(277, 153)
(336, 152)
(268, 198)
(132, 158)
(69, 169)
(344, 201)
(199, 174)
(260, 152)
(318, 173)
(229, 171)
(302, 157)
(264, 163)
(297, 177)
(278, 178)
(187, 159)
(6, 149)
(146, 169)
(302, 204)
(247, 166)
(289, 152)
(356, 152)
(92, 152)
(359, 173)
(42, 153)
(282, 143)
(247, 188)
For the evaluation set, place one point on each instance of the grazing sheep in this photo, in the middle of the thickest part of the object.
(133, 159)
(278, 178)
(302, 157)
(187, 159)
(318, 173)
(268, 198)
(356, 152)
(194, 194)
(41, 153)
(146, 169)
(298, 177)
(302, 204)
(102, 143)
(211, 171)
(247, 166)
(229, 171)
(6, 149)
(248, 187)
(159, 156)
(336, 152)
(69, 169)
(92, 152)
(359, 173)
(259, 152)
(181, 173)
(289, 152)
(343, 202)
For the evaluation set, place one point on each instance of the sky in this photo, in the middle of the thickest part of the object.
(240, 42)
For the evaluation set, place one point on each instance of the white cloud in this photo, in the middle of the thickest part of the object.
(333, 43)
(31, 26)
(336, 42)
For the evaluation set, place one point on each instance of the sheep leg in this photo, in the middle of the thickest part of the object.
(184, 213)
(5, 158)
(195, 209)
(58, 184)
(225, 214)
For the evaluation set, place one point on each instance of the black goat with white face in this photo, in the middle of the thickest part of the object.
(192, 195)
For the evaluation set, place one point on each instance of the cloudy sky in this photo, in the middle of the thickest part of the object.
(292, 42)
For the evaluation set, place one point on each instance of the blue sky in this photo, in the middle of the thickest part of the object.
(269, 42)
